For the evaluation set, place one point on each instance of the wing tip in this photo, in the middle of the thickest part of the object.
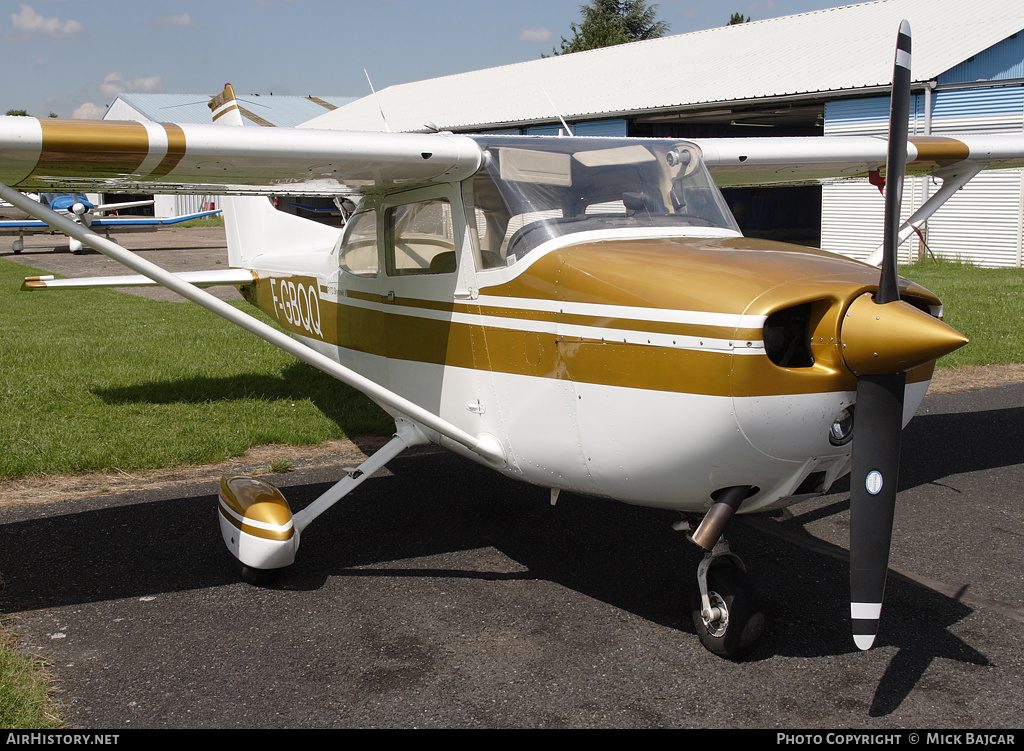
(35, 282)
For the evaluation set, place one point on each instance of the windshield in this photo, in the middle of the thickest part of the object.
(532, 190)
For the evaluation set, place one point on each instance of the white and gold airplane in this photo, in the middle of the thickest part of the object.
(582, 314)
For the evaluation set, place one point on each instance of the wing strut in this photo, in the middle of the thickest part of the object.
(951, 183)
(485, 445)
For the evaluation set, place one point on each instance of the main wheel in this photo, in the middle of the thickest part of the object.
(258, 577)
(741, 622)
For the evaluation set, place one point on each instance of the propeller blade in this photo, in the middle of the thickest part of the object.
(880, 392)
(873, 480)
(895, 164)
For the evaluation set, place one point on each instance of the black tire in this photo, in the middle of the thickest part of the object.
(258, 577)
(730, 588)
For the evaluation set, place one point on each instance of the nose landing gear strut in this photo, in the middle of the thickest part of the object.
(726, 611)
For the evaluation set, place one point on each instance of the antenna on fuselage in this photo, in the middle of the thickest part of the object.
(377, 99)
(552, 103)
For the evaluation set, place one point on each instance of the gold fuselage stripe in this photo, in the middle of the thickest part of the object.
(604, 320)
(440, 341)
(648, 315)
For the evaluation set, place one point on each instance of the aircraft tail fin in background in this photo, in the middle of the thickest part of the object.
(252, 225)
(225, 107)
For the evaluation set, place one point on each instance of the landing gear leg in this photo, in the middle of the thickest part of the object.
(256, 521)
(727, 611)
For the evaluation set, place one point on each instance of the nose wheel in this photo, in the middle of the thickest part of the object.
(727, 611)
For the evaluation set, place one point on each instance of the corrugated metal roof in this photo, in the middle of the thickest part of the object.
(839, 49)
(258, 109)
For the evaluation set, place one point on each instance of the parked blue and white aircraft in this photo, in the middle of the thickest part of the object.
(91, 215)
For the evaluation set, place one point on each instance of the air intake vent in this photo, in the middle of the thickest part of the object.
(787, 337)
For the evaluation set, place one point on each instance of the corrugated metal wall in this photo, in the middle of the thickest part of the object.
(852, 212)
(1001, 62)
(984, 222)
(981, 224)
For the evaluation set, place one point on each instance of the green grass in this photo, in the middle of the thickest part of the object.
(24, 687)
(986, 305)
(217, 220)
(98, 379)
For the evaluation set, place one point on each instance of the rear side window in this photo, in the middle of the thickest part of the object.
(359, 245)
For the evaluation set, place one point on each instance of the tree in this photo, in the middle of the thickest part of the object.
(737, 18)
(22, 113)
(609, 22)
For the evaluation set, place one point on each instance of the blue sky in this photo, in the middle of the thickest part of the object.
(72, 57)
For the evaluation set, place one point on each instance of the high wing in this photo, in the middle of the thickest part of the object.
(189, 158)
(746, 162)
(98, 156)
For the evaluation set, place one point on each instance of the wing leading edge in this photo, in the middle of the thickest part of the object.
(749, 162)
(188, 158)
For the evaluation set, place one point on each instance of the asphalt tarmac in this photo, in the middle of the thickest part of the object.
(441, 595)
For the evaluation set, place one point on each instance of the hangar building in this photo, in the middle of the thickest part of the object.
(820, 73)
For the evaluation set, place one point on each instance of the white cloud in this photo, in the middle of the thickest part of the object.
(762, 9)
(535, 35)
(181, 21)
(89, 111)
(30, 24)
(115, 84)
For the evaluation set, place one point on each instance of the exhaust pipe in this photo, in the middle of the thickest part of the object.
(712, 526)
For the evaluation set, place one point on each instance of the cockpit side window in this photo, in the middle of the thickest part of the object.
(488, 218)
(420, 238)
(358, 253)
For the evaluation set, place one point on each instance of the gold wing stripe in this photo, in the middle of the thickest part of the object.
(939, 150)
(100, 149)
(91, 148)
(175, 150)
